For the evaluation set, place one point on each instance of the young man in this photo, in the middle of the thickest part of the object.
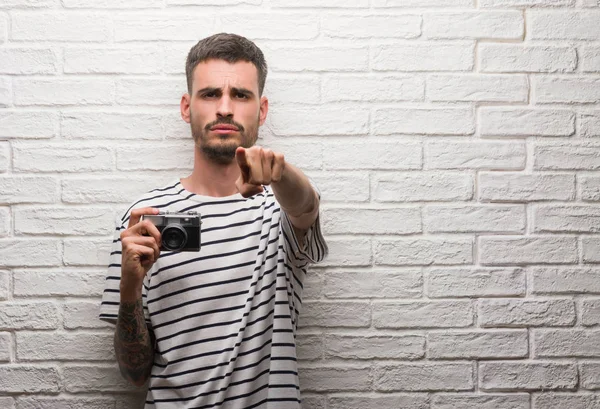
(216, 328)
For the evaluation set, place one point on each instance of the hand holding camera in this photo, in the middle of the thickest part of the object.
(140, 250)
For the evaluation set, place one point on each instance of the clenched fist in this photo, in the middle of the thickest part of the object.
(259, 166)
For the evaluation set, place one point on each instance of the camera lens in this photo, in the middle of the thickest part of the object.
(174, 237)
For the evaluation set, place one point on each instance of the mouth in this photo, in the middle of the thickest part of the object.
(224, 129)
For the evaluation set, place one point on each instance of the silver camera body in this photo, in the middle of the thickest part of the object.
(179, 231)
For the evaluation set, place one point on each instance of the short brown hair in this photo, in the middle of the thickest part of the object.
(229, 47)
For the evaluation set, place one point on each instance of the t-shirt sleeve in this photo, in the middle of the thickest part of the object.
(314, 248)
(109, 308)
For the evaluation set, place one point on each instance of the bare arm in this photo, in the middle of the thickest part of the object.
(134, 343)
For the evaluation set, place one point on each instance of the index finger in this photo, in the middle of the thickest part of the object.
(136, 214)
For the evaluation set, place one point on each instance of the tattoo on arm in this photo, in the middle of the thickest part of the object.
(134, 343)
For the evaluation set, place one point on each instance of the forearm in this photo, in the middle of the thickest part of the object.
(134, 346)
(297, 197)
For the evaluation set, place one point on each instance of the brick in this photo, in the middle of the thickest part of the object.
(6, 348)
(153, 157)
(501, 25)
(53, 92)
(423, 186)
(5, 92)
(566, 400)
(477, 345)
(330, 121)
(28, 315)
(313, 401)
(566, 90)
(422, 3)
(309, 346)
(130, 401)
(51, 283)
(348, 252)
(317, 58)
(401, 220)
(5, 157)
(78, 402)
(5, 288)
(64, 221)
(424, 251)
(511, 187)
(566, 157)
(379, 87)
(566, 219)
(7, 403)
(315, 3)
(590, 59)
(374, 347)
(563, 25)
(26, 4)
(590, 249)
(176, 128)
(373, 284)
(112, 189)
(290, 90)
(3, 29)
(112, 4)
(335, 378)
(424, 377)
(478, 88)
(28, 124)
(474, 218)
(38, 346)
(5, 221)
(525, 3)
(26, 60)
(424, 56)
(338, 314)
(590, 375)
(274, 25)
(145, 92)
(526, 313)
(165, 26)
(565, 280)
(590, 312)
(17, 252)
(526, 122)
(423, 314)
(117, 60)
(313, 286)
(60, 26)
(61, 157)
(484, 401)
(396, 26)
(590, 124)
(475, 282)
(29, 379)
(395, 400)
(524, 376)
(528, 250)
(87, 379)
(28, 189)
(306, 155)
(569, 343)
(514, 58)
(343, 187)
(83, 314)
(437, 121)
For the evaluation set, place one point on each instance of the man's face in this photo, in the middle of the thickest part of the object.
(224, 108)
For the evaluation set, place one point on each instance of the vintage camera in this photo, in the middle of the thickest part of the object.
(179, 231)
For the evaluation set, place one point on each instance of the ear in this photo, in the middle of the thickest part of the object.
(264, 109)
(184, 106)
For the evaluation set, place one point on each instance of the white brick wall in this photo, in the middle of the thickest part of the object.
(454, 142)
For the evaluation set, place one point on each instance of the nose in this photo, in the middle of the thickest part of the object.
(225, 108)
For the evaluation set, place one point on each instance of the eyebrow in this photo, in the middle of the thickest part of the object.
(233, 89)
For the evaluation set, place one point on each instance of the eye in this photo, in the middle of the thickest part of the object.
(241, 96)
(209, 95)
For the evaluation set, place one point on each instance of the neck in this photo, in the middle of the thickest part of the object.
(210, 178)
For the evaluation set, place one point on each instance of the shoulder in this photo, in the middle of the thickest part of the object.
(158, 197)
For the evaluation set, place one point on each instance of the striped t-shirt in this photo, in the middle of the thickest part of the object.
(225, 317)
